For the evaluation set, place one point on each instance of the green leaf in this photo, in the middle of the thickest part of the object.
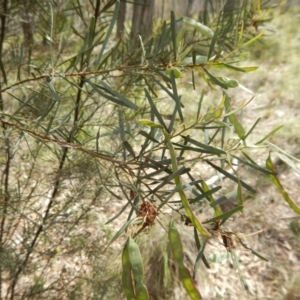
(90, 38)
(176, 98)
(230, 83)
(253, 165)
(109, 54)
(118, 95)
(239, 195)
(230, 176)
(211, 199)
(154, 109)
(257, 254)
(193, 80)
(200, 105)
(252, 251)
(176, 247)
(136, 263)
(269, 135)
(164, 38)
(184, 53)
(206, 31)
(249, 158)
(180, 34)
(116, 131)
(218, 258)
(199, 59)
(76, 58)
(200, 254)
(129, 148)
(177, 73)
(245, 44)
(233, 119)
(209, 149)
(206, 194)
(137, 220)
(173, 33)
(252, 128)
(284, 152)
(170, 195)
(214, 80)
(120, 100)
(221, 200)
(186, 148)
(122, 134)
(109, 31)
(143, 52)
(182, 195)
(291, 203)
(122, 209)
(288, 161)
(20, 62)
(53, 91)
(249, 69)
(148, 136)
(150, 123)
(213, 43)
(126, 275)
(167, 90)
(179, 172)
(236, 266)
(224, 216)
(235, 68)
(213, 115)
(252, 40)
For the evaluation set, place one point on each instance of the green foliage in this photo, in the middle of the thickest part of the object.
(133, 266)
(174, 239)
(84, 131)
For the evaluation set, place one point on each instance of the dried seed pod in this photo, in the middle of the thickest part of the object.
(149, 212)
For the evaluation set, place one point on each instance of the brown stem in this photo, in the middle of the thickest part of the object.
(40, 228)
(6, 197)
(65, 144)
(6, 172)
(3, 24)
(45, 76)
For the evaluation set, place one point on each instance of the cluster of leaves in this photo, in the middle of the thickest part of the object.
(90, 127)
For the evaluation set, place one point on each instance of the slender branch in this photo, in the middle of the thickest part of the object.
(97, 10)
(65, 144)
(45, 76)
(62, 162)
(40, 227)
(6, 197)
(128, 69)
(7, 144)
(3, 24)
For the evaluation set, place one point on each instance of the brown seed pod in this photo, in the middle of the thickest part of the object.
(131, 194)
(228, 240)
(149, 212)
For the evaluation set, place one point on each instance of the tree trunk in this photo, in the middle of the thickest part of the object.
(121, 20)
(190, 8)
(27, 23)
(27, 34)
(142, 19)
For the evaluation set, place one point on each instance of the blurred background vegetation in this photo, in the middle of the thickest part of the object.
(76, 163)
